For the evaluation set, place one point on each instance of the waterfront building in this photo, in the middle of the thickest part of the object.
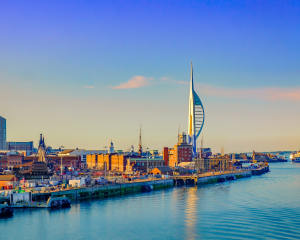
(7, 179)
(140, 164)
(67, 161)
(213, 164)
(165, 170)
(24, 146)
(262, 157)
(7, 162)
(2, 133)
(82, 153)
(196, 116)
(182, 152)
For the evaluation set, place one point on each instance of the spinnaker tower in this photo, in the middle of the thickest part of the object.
(196, 115)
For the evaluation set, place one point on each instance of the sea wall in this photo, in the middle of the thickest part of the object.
(214, 179)
(105, 191)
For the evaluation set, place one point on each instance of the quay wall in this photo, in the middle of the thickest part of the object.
(214, 179)
(106, 190)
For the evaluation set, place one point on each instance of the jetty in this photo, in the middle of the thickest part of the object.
(209, 178)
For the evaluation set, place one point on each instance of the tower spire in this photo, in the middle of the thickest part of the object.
(140, 142)
(196, 115)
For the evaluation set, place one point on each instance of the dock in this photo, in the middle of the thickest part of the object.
(98, 191)
(209, 178)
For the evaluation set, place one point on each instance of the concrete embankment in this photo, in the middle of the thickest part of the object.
(130, 188)
(105, 191)
(215, 179)
(209, 179)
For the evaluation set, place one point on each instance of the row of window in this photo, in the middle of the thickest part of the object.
(11, 163)
(150, 164)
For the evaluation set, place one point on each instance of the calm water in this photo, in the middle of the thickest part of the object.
(262, 207)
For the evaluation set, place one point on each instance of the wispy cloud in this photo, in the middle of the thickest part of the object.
(135, 82)
(182, 82)
(89, 87)
(266, 93)
(169, 78)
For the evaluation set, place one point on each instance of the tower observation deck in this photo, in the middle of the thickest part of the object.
(196, 115)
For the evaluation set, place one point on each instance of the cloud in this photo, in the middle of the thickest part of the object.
(166, 78)
(135, 82)
(182, 82)
(89, 87)
(268, 93)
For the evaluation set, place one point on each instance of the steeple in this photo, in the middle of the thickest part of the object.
(111, 147)
(140, 142)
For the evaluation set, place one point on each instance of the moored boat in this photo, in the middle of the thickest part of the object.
(296, 157)
(6, 210)
(24, 200)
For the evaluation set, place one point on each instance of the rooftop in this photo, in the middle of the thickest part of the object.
(7, 177)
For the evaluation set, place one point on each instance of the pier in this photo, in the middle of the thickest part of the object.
(208, 178)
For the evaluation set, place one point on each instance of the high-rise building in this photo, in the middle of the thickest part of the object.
(2, 133)
(196, 116)
(25, 146)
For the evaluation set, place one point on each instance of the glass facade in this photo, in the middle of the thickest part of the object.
(2, 133)
(28, 146)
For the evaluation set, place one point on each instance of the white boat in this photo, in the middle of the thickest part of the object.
(296, 157)
(24, 200)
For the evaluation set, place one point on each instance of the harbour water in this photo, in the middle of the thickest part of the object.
(260, 207)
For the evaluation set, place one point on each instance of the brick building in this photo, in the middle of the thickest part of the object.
(67, 161)
(182, 152)
(100, 161)
(7, 162)
(212, 164)
(119, 162)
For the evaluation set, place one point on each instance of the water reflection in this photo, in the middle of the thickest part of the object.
(191, 211)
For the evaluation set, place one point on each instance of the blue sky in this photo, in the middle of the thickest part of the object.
(61, 63)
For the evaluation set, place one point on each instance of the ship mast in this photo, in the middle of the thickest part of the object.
(140, 142)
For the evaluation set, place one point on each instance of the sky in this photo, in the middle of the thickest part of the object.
(84, 73)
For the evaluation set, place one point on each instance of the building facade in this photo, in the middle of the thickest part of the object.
(212, 164)
(2, 133)
(182, 152)
(143, 164)
(7, 162)
(25, 146)
(67, 160)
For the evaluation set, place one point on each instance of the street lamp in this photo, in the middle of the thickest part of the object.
(105, 149)
(61, 167)
(104, 162)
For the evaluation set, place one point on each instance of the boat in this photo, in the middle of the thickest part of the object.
(296, 157)
(24, 200)
(6, 210)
